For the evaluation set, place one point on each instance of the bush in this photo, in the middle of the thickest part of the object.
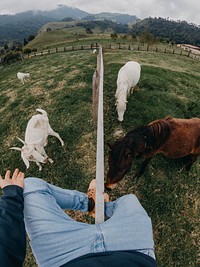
(11, 57)
(27, 51)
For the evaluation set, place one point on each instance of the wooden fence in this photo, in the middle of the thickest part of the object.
(169, 50)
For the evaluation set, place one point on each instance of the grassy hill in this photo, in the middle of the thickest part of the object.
(61, 84)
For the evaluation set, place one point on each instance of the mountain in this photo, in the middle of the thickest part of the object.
(115, 17)
(20, 26)
(177, 31)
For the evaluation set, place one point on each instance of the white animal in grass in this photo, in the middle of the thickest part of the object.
(94, 51)
(37, 131)
(128, 77)
(22, 76)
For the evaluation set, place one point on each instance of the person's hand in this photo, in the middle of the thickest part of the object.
(17, 179)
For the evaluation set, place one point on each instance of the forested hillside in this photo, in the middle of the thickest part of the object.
(177, 31)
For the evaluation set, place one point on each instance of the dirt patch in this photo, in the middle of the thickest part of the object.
(79, 85)
(11, 95)
(73, 73)
(37, 91)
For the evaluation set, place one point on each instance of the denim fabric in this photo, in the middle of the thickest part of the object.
(55, 238)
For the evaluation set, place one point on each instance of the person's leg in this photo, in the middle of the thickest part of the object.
(55, 238)
(129, 227)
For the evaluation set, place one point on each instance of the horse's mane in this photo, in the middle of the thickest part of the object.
(158, 133)
(155, 134)
(117, 149)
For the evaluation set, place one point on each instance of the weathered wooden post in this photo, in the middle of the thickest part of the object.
(98, 114)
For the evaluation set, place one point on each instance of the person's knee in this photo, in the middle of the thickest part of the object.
(33, 184)
(131, 198)
(131, 203)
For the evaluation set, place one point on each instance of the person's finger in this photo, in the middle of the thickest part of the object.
(7, 175)
(15, 174)
(20, 176)
(20, 179)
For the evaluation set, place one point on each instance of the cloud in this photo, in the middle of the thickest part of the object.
(173, 9)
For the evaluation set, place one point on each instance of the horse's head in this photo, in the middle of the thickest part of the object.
(119, 161)
(121, 156)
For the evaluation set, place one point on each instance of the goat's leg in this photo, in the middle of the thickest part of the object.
(142, 169)
(39, 165)
(52, 133)
(43, 152)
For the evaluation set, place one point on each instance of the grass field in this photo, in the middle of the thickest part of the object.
(61, 84)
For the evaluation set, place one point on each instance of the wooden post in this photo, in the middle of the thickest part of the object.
(98, 124)
(95, 96)
(99, 205)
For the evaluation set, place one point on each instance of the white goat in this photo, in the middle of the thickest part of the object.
(128, 77)
(22, 76)
(94, 51)
(37, 131)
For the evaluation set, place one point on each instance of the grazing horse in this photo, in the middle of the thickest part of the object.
(174, 138)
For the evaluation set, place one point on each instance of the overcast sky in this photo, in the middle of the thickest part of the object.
(188, 10)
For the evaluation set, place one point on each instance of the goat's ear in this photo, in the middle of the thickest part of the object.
(21, 140)
(16, 148)
(25, 160)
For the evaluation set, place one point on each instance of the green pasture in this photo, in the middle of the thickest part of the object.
(61, 83)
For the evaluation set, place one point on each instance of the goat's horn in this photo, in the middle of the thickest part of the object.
(16, 148)
(21, 140)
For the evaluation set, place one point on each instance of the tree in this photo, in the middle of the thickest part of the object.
(89, 31)
(25, 42)
(6, 46)
(31, 37)
(114, 36)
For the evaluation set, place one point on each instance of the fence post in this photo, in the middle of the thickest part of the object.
(98, 104)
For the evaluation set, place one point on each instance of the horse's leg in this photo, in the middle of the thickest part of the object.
(191, 160)
(142, 169)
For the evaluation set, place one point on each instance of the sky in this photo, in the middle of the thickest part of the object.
(188, 10)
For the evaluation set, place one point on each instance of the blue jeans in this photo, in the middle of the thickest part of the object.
(56, 238)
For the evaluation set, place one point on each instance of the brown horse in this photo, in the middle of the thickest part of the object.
(174, 138)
